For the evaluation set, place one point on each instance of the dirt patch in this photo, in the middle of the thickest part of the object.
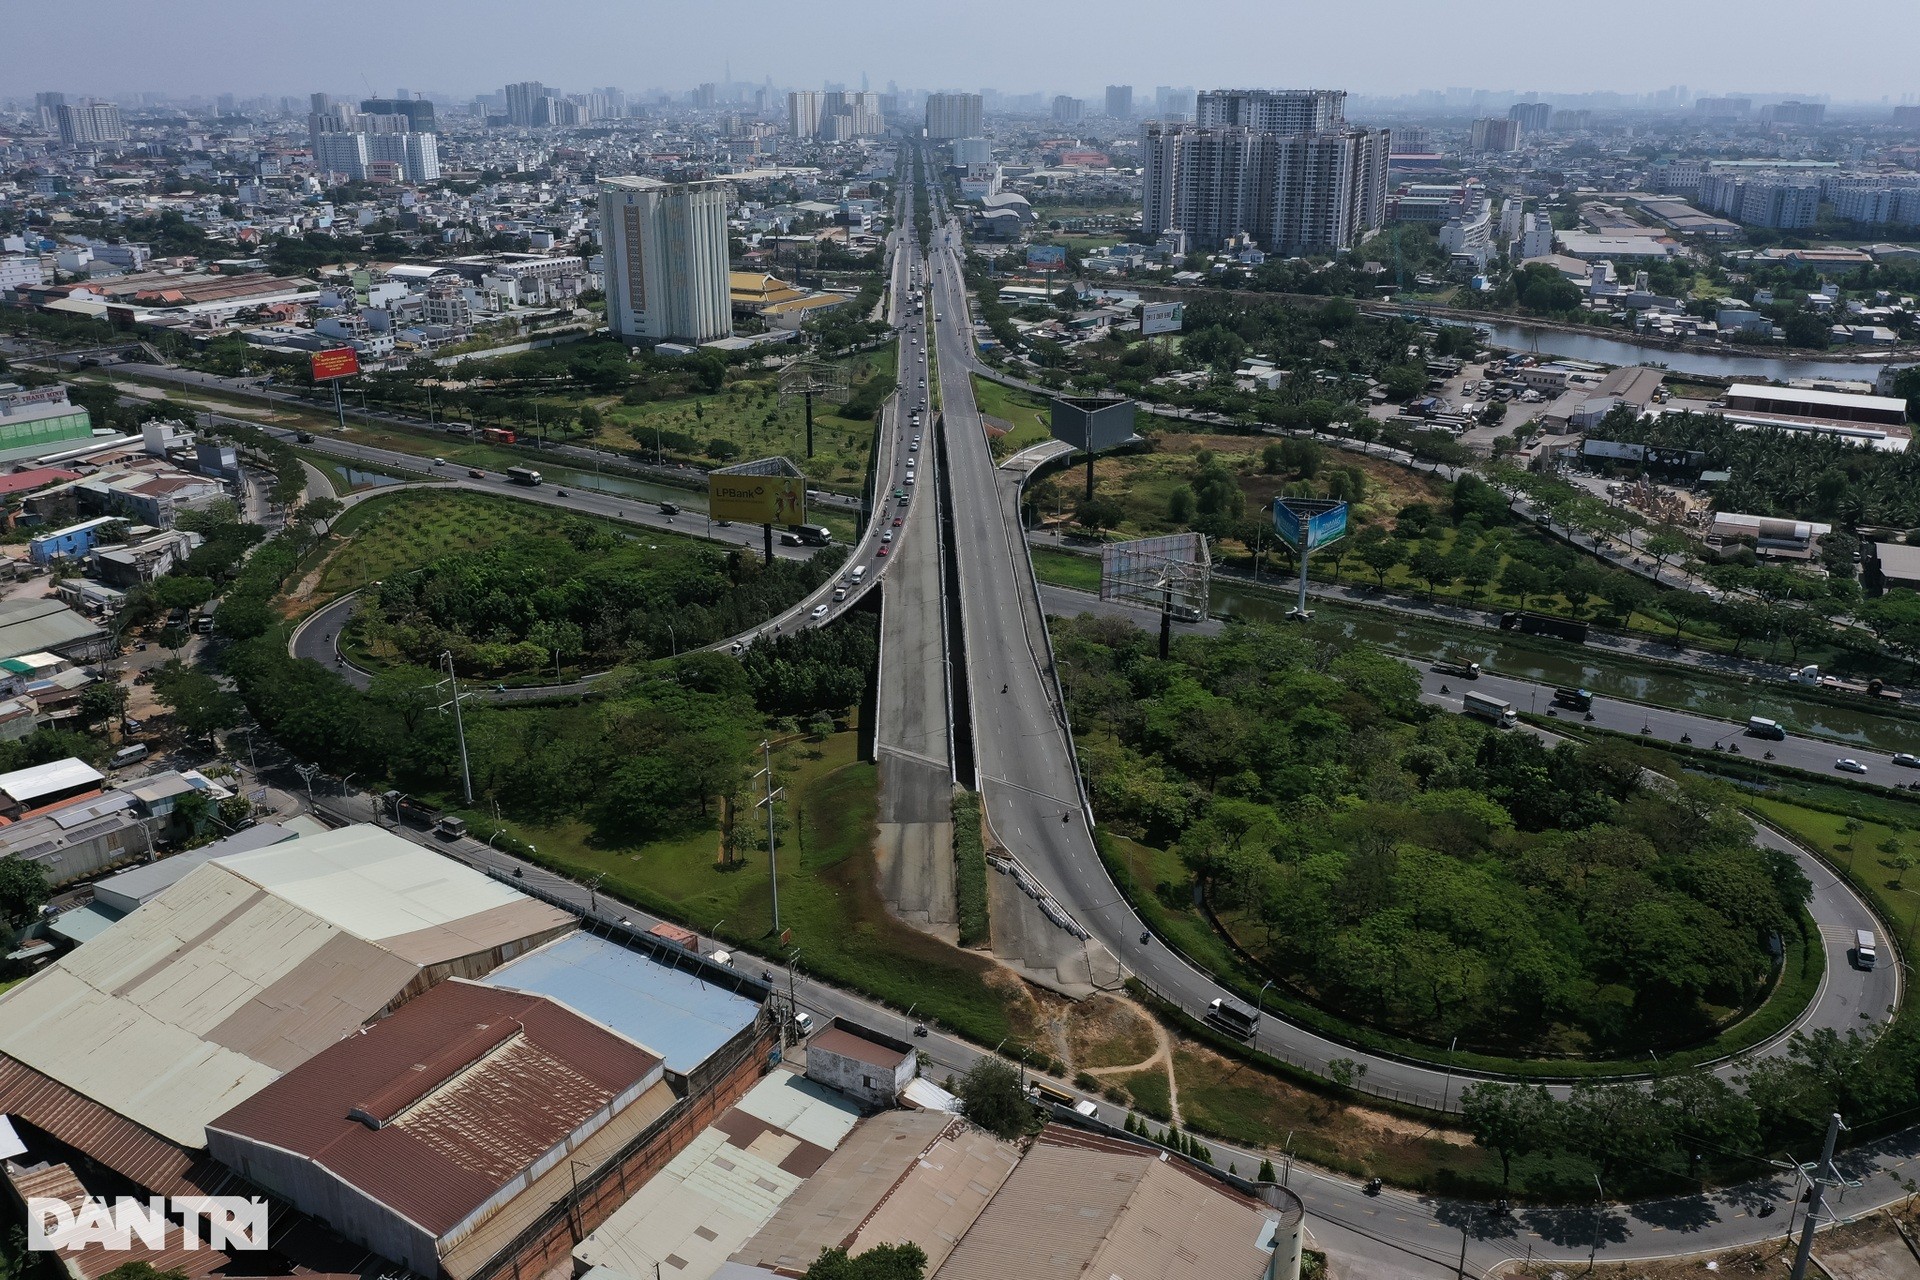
(1025, 1013)
(1105, 1032)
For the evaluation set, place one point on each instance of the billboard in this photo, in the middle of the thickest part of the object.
(1161, 317)
(340, 362)
(1172, 572)
(767, 491)
(1093, 424)
(1046, 257)
(1309, 523)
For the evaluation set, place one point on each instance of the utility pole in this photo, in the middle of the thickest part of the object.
(1819, 1180)
(452, 682)
(773, 855)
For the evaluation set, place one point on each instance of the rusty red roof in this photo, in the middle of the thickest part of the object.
(104, 1134)
(435, 1109)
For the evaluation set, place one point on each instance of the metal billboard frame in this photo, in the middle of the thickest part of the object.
(1172, 574)
(1306, 525)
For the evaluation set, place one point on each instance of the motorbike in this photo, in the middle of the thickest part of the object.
(1146, 936)
(1373, 1186)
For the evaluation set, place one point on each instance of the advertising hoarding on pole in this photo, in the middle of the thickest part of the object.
(1046, 257)
(1162, 317)
(765, 491)
(1307, 524)
(340, 362)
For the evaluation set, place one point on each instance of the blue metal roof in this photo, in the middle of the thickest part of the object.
(675, 1014)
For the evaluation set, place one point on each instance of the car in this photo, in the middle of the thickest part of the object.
(1906, 760)
(819, 611)
(916, 439)
(909, 477)
(883, 551)
(562, 493)
(887, 536)
(914, 447)
(476, 473)
(1847, 764)
(898, 521)
(736, 648)
(923, 382)
(439, 462)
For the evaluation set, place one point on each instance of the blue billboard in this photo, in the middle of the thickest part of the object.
(1309, 523)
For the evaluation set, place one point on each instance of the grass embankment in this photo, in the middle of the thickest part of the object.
(1030, 415)
(349, 475)
(1159, 886)
(751, 419)
(970, 870)
(1872, 839)
(829, 902)
(402, 531)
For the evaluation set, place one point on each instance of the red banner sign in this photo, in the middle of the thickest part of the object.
(341, 362)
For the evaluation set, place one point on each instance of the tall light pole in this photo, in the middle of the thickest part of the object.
(773, 855)
(1259, 1009)
(1446, 1090)
(459, 725)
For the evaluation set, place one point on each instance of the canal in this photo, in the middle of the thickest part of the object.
(1714, 364)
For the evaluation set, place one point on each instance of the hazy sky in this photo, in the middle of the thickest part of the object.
(1368, 46)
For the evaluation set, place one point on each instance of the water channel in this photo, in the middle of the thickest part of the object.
(1713, 694)
(1713, 364)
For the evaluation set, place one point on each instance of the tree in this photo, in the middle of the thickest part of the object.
(882, 1262)
(1509, 1119)
(1706, 1113)
(199, 705)
(1266, 1170)
(23, 888)
(1614, 1125)
(1099, 513)
(104, 701)
(1378, 552)
(991, 1097)
(1433, 566)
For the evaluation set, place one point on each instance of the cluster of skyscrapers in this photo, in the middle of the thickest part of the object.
(533, 105)
(834, 115)
(386, 140)
(1281, 166)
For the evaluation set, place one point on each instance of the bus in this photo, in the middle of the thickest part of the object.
(499, 435)
(523, 475)
(1232, 1019)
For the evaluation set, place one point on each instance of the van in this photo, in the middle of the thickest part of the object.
(138, 752)
(839, 594)
(859, 572)
(1863, 951)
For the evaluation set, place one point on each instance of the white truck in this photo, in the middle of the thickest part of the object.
(1495, 711)
(1863, 951)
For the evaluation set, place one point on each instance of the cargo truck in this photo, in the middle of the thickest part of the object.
(1537, 624)
(1863, 951)
(1576, 699)
(1464, 670)
(1494, 711)
(1761, 727)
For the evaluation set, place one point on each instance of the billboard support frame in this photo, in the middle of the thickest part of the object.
(775, 468)
(1306, 525)
(1148, 571)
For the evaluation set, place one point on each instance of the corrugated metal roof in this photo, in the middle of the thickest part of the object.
(675, 1014)
(847, 1045)
(374, 884)
(28, 785)
(28, 626)
(943, 1195)
(731, 1179)
(830, 1207)
(131, 888)
(810, 1112)
(59, 1182)
(1081, 1204)
(116, 1142)
(212, 988)
(470, 1086)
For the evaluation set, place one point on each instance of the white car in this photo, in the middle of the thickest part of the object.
(819, 611)
(914, 447)
(887, 536)
(1847, 764)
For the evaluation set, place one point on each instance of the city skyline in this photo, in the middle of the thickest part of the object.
(1375, 48)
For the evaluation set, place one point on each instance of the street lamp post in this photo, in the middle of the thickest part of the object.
(1446, 1089)
(1259, 1008)
(1597, 1204)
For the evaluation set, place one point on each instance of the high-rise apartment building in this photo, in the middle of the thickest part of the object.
(803, 112)
(1494, 136)
(1273, 110)
(418, 111)
(49, 104)
(357, 155)
(1532, 117)
(1806, 114)
(666, 259)
(529, 104)
(1120, 101)
(1284, 167)
(1066, 110)
(953, 115)
(88, 122)
(861, 109)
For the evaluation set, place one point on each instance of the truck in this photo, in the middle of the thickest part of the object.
(812, 535)
(673, 935)
(1233, 1019)
(523, 475)
(1863, 954)
(1761, 727)
(1811, 677)
(1464, 670)
(1576, 699)
(1495, 711)
(1538, 624)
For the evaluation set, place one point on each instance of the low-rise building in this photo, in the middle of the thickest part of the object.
(861, 1063)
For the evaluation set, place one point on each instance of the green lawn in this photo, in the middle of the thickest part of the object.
(1030, 415)
(1867, 836)
(403, 531)
(1063, 568)
(829, 900)
(754, 419)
